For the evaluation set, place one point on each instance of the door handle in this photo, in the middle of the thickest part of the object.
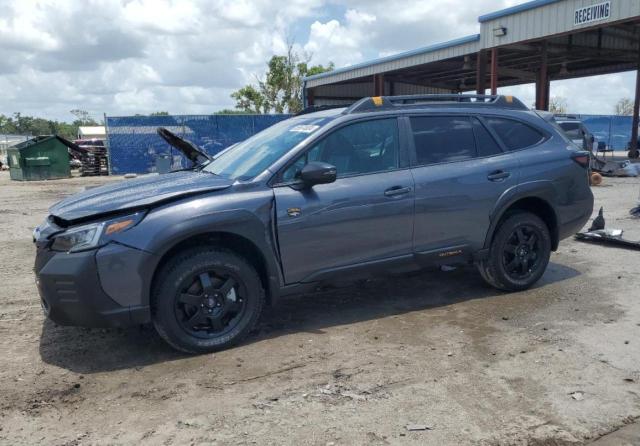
(498, 175)
(397, 190)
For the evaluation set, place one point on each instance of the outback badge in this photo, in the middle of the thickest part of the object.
(294, 212)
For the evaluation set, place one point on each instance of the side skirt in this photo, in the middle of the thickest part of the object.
(342, 275)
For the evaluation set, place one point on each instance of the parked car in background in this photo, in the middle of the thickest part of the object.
(576, 131)
(388, 184)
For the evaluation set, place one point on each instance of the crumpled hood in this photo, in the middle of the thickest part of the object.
(136, 193)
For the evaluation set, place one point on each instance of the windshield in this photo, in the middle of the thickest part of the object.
(256, 154)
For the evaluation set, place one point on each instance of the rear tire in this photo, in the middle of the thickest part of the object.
(206, 299)
(519, 253)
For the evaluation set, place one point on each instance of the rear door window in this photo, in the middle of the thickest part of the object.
(442, 139)
(515, 135)
(487, 146)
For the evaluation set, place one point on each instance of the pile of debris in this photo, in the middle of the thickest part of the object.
(93, 157)
(598, 234)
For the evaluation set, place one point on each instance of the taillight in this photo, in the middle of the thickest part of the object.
(581, 158)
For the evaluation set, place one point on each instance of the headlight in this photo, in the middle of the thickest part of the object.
(93, 235)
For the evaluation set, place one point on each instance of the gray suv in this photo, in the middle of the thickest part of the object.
(387, 184)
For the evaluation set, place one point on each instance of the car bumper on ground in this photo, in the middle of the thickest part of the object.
(72, 293)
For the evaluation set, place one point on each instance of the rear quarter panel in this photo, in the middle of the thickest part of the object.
(549, 169)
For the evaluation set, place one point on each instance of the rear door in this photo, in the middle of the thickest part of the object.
(460, 171)
(366, 215)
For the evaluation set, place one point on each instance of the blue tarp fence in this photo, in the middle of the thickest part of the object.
(135, 147)
(614, 131)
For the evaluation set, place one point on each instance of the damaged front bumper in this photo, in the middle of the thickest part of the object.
(97, 288)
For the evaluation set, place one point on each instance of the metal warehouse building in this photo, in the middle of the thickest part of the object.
(538, 41)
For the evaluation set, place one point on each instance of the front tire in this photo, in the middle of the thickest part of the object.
(519, 253)
(206, 299)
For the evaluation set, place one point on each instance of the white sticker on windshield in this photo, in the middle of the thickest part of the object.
(304, 128)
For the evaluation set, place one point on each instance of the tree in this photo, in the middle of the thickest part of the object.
(31, 126)
(558, 105)
(159, 113)
(250, 100)
(83, 117)
(624, 107)
(228, 111)
(281, 89)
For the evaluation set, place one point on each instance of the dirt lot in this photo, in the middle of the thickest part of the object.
(556, 365)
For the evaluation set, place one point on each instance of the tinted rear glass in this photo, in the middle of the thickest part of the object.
(515, 134)
(572, 129)
(441, 139)
(487, 146)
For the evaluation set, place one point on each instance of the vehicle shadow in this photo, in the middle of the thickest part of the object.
(86, 351)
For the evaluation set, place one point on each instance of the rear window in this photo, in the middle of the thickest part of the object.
(441, 139)
(571, 129)
(515, 134)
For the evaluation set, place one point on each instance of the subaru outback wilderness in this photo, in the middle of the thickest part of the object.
(386, 184)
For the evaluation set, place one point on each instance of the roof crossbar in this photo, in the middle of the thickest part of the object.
(381, 103)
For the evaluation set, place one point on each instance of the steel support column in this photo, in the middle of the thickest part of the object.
(542, 80)
(309, 97)
(481, 72)
(494, 71)
(378, 85)
(633, 151)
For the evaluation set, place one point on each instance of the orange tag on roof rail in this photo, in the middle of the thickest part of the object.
(509, 99)
(377, 101)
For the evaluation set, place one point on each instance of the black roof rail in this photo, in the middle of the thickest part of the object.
(566, 116)
(381, 103)
(317, 108)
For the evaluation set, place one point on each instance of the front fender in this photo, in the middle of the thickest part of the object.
(164, 228)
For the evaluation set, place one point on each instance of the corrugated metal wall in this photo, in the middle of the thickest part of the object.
(134, 145)
(363, 89)
(554, 18)
(466, 45)
(528, 21)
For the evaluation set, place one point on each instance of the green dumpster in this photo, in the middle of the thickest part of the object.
(40, 158)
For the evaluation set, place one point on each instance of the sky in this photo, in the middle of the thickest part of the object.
(123, 57)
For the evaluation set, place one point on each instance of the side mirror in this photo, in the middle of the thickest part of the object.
(318, 172)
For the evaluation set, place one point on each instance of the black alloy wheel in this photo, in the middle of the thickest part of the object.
(521, 253)
(210, 304)
(206, 299)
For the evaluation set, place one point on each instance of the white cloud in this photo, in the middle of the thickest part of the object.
(338, 43)
(187, 56)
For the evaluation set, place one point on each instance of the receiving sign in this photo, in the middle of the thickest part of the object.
(592, 13)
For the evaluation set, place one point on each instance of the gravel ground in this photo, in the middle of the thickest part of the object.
(440, 351)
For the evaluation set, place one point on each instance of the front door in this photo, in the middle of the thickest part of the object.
(365, 215)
